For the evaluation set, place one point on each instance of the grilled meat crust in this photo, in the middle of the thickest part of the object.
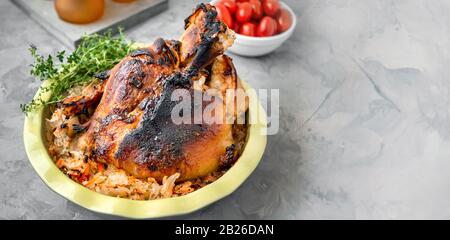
(131, 126)
(204, 38)
(158, 147)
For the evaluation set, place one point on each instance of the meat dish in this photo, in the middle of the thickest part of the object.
(117, 136)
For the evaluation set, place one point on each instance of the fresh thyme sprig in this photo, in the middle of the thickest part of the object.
(95, 54)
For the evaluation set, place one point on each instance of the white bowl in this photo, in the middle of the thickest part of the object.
(258, 46)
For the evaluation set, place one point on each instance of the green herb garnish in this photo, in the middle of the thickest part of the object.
(95, 54)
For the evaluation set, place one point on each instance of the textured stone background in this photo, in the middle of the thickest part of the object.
(365, 122)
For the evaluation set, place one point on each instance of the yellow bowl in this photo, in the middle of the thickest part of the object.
(34, 137)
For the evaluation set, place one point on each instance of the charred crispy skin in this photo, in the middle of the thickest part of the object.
(132, 127)
(204, 38)
(158, 147)
(80, 104)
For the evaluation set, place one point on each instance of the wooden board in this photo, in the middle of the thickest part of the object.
(116, 14)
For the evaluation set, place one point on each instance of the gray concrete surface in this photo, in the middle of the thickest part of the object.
(365, 118)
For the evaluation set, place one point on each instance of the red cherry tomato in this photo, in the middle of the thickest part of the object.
(224, 15)
(248, 29)
(257, 9)
(284, 20)
(266, 27)
(230, 4)
(242, 1)
(236, 27)
(271, 7)
(244, 12)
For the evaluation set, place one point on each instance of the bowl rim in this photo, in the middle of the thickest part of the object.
(280, 36)
(42, 163)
